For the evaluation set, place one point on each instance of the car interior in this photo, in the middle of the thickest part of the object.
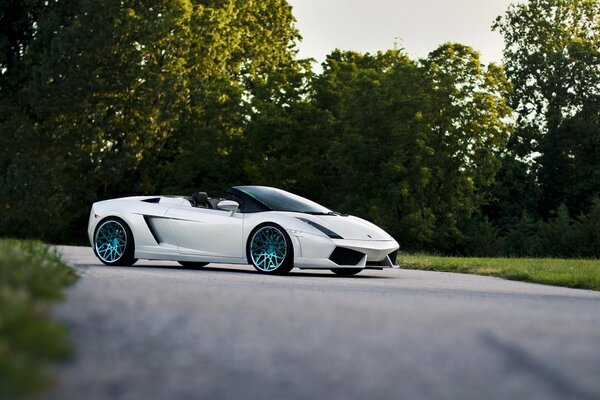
(201, 200)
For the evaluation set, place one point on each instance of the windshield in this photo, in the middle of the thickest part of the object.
(280, 200)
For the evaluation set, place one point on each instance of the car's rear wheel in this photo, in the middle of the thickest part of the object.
(346, 271)
(114, 243)
(193, 264)
(270, 250)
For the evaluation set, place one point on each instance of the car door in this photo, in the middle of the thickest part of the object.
(207, 232)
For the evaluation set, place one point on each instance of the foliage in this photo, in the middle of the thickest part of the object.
(413, 140)
(515, 191)
(552, 57)
(102, 99)
(97, 107)
(112, 91)
(32, 276)
(470, 127)
(16, 33)
(560, 236)
(483, 239)
(550, 53)
(368, 138)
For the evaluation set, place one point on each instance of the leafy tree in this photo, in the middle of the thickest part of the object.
(524, 239)
(412, 143)
(375, 102)
(104, 95)
(551, 56)
(115, 90)
(515, 191)
(588, 236)
(483, 239)
(17, 26)
(470, 125)
(585, 184)
(241, 66)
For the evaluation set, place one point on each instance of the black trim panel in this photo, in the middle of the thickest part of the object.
(394, 257)
(321, 228)
(343, 256)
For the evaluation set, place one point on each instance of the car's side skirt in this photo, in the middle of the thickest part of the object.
(149, 255)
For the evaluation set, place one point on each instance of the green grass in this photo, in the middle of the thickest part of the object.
(583, 274)
(32, 276)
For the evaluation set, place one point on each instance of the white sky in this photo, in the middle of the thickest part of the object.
(418, 26)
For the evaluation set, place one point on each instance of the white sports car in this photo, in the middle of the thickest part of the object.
(271, 229)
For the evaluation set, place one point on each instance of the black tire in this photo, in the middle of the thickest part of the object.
(286, 264)
(126, 258)
(346, 271)
(193, 264)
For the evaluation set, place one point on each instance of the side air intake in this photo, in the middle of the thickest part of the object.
(152, 227)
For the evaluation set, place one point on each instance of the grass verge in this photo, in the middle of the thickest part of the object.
(32, 276)
(584, 274)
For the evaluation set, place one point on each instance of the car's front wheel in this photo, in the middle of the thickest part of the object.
(346, 271)
(269, 249)
(113, 242)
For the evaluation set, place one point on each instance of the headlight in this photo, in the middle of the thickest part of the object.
(321, 228)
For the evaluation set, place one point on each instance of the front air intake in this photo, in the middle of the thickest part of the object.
(394, 257)
(343, 256)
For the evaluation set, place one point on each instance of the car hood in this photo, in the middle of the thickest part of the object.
(349, 227)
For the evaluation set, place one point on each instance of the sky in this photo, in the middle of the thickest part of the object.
(418, 26)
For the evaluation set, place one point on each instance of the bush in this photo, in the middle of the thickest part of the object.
(560, 236)
(32, 275)
(483, 239)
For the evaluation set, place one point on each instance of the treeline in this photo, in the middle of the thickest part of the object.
(559, 236)
(102, 99)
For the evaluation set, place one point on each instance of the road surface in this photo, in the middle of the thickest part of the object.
(160, 331)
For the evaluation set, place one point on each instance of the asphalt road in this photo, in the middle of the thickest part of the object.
(159, 331)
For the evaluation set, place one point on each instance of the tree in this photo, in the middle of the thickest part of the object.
(242, 67)
(552, 57)
(470, 124)
(375, 102)
(412, 142)
(114, 90)
(18, 20)
(103, 95)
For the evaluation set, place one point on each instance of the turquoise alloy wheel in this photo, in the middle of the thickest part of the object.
(268, 249)
(111, 241)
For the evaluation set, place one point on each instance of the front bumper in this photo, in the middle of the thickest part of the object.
(312, 251)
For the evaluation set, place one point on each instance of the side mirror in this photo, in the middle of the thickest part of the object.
(228, 205)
